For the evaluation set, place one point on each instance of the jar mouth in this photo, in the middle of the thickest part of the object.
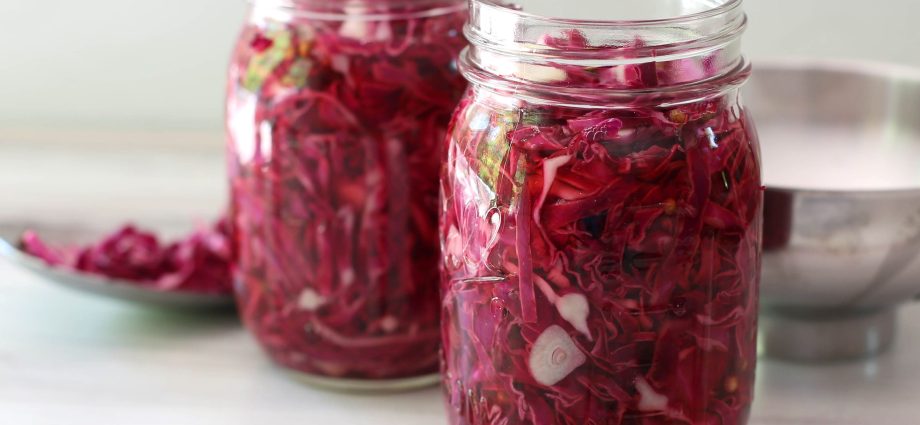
(702, 9)
(360, 10)
(500, 26)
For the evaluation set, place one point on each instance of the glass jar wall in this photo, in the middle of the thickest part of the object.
(601, 219)
(336, 113)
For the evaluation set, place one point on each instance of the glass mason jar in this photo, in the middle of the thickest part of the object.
(601, 218)
(335, 111)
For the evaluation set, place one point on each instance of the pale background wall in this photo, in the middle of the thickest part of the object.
(160, 63)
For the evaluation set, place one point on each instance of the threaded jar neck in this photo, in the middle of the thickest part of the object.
(542, 45)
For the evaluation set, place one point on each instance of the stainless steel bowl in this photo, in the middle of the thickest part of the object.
(842, 250)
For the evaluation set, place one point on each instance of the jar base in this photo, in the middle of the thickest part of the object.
(366, 385)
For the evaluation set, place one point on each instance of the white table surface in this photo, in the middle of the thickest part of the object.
(71, 359)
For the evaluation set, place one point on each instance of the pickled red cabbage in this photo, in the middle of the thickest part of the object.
(199, 263)
(336, 128)
(600, 265)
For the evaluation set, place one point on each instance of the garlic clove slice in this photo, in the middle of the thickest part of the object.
(649, 399)
(554, 356)
(574, 309)
(309, 300)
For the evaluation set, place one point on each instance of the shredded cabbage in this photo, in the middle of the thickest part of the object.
(198, 263)
(336, 130)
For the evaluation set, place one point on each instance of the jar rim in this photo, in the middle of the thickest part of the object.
(726, 6)
(339, 3)
(498, 26)
(369, 10)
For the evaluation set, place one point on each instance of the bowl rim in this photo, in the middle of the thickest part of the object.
(887, 70)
